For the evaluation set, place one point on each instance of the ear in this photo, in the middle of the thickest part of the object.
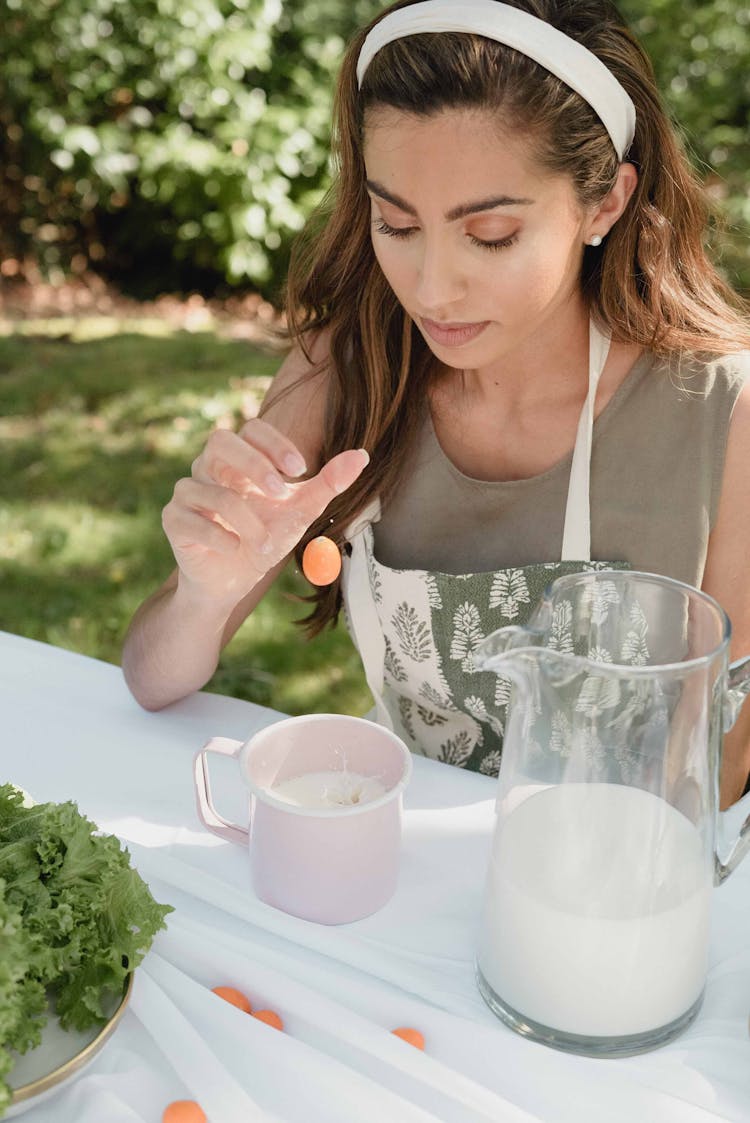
(614, 204)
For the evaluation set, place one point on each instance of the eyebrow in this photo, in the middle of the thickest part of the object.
(461, 211)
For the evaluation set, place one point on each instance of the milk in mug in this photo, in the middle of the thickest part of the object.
(597, 909)
(330, 788)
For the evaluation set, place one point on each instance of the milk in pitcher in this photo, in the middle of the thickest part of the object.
(597, 911)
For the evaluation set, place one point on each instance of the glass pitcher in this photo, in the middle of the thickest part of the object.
(594, 935)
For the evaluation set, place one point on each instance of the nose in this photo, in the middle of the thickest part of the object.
(440, 282)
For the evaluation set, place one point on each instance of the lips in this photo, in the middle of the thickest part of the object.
(453, 335)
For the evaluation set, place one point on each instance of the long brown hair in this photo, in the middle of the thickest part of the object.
(650, 283)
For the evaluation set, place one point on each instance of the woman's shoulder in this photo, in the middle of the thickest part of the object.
(709, 374)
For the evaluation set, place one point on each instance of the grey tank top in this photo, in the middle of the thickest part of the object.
(656, 470)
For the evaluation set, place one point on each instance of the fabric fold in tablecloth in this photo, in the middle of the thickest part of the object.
(326, 1044)
(158, 988)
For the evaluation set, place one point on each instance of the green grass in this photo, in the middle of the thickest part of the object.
(94, 431)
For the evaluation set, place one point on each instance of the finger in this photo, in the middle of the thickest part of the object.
(189, 529)
(334, 477)
(279, 449)
(213, 501)
(234, 462)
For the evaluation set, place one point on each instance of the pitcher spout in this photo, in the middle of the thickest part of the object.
(525, 656)
(497, 645)
(501, 648)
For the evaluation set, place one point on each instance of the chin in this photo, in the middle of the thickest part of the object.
(450, 360)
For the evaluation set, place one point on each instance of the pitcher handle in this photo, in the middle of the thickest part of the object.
(741, 845)
(207, 813)
(738, 688)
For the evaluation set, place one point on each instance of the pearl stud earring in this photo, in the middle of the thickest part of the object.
(596, 240)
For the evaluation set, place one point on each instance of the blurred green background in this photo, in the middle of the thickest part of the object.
(179, 144)
(93, 434)
(176, 146)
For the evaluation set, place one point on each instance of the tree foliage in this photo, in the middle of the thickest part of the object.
(701, 55)
(180, 144)
(171, 140)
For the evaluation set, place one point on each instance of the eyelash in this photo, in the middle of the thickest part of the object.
(404, 232)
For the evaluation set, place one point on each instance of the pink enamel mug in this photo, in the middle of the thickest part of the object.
(330, 865)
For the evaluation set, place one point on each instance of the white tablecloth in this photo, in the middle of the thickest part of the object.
(70, 730)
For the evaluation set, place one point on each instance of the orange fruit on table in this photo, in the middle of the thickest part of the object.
(235, 997)
(321, 561)
(184, 1111)
(269, 1017)
(412, 1036)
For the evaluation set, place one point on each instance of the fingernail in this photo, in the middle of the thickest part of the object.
(366, 454)
(294, 465)
(272, 485)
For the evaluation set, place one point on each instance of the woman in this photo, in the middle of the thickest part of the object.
(505, 300)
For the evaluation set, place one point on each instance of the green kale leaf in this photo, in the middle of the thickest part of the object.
(75, 921)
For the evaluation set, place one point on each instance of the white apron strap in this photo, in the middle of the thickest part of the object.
(362, 611)
(577, 531)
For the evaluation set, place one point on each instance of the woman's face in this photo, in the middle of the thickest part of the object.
(470, 234)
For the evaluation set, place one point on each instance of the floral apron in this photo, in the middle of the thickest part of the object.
(416, 630)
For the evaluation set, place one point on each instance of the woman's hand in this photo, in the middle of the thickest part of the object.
(237, 516)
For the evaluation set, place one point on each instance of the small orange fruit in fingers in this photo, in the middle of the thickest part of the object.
(269, 1017)
(184, 1111)
(235, 997)
(321, 561)
(412, 1036)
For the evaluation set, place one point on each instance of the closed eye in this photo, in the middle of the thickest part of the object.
(406, 231)
(393, 231)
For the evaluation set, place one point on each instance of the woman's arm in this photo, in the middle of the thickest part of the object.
(232, 534)
(727, 578)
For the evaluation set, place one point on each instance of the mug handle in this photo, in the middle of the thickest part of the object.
(207, 813)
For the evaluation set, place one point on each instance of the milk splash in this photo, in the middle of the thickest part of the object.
(330, 788)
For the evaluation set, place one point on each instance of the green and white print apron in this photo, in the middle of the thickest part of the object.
(416, 630)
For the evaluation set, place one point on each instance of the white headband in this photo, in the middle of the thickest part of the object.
(564, 57)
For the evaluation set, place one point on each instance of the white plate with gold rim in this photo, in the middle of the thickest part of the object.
(59, 1059)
